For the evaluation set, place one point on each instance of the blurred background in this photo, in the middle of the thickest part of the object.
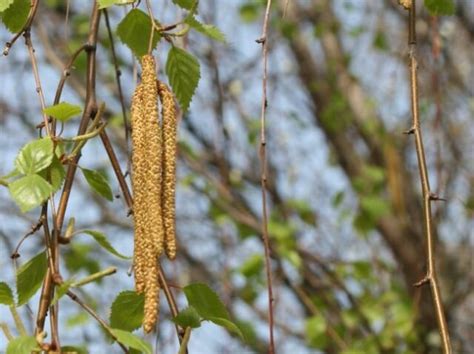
(345, 216)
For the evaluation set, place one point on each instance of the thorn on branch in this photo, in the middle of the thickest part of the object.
(261, 40)
(435, 197)
(425, 280)
(409, 131)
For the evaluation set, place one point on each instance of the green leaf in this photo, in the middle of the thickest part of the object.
(55, 173)
(63, 111)
(375, 206)
(98, 183)
(249, 12)
(205, 301)
(4, 4)
(6, 295)
(184, 73)
(22, 345)
(30, 276)
(208, 30)
(106, 3)
(186, 4)
(316, 331)
(61, 290)
(126, 312)
(252, 266)
(70, 349)
(15, 16)
(380, 41)
(229, 325)
(35, 156)
(440, 7)
(134, 31)
(188, 317)
(248, 330)
(101, 239)
(30, 192)
(132, 341)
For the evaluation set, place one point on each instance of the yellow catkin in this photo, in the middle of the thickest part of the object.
(169, 131)
(139, 168)
(154, 149)
(405, 3)
(152, 289)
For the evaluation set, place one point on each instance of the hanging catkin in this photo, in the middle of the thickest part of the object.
(169, 130)
(139, 168)
(153, 183)
(154, 156)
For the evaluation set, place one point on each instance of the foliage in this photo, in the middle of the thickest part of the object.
(339, 255)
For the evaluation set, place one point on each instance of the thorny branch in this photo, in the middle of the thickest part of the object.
(428, 196)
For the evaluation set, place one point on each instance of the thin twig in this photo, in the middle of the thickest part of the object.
(39, 89)
(91, 312)
(26, 27)
(263, 161)
(428, 196)
(172, 305)
(16, 253)
(118, 73)
(184, 343)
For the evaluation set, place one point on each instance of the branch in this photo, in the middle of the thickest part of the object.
(428, 196)
(263, 170)
(91, 312)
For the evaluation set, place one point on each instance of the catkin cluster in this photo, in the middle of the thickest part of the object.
(153, 183)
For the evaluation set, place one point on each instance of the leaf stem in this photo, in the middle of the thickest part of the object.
(184, 344)
(96, 276)
(18, 322)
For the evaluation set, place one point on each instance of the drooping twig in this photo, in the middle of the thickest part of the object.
(263, 161)
(118, 74)
(428, 196)
(91, 312)
(39, 89)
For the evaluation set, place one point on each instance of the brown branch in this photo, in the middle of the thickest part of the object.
(51, 275)
(428, 196)
(263, 161)
(89, 111)
(39, 89)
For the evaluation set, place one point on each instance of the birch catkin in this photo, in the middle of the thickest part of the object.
(139, 168)
(153, 183)
(154, 156)
(169, 130)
